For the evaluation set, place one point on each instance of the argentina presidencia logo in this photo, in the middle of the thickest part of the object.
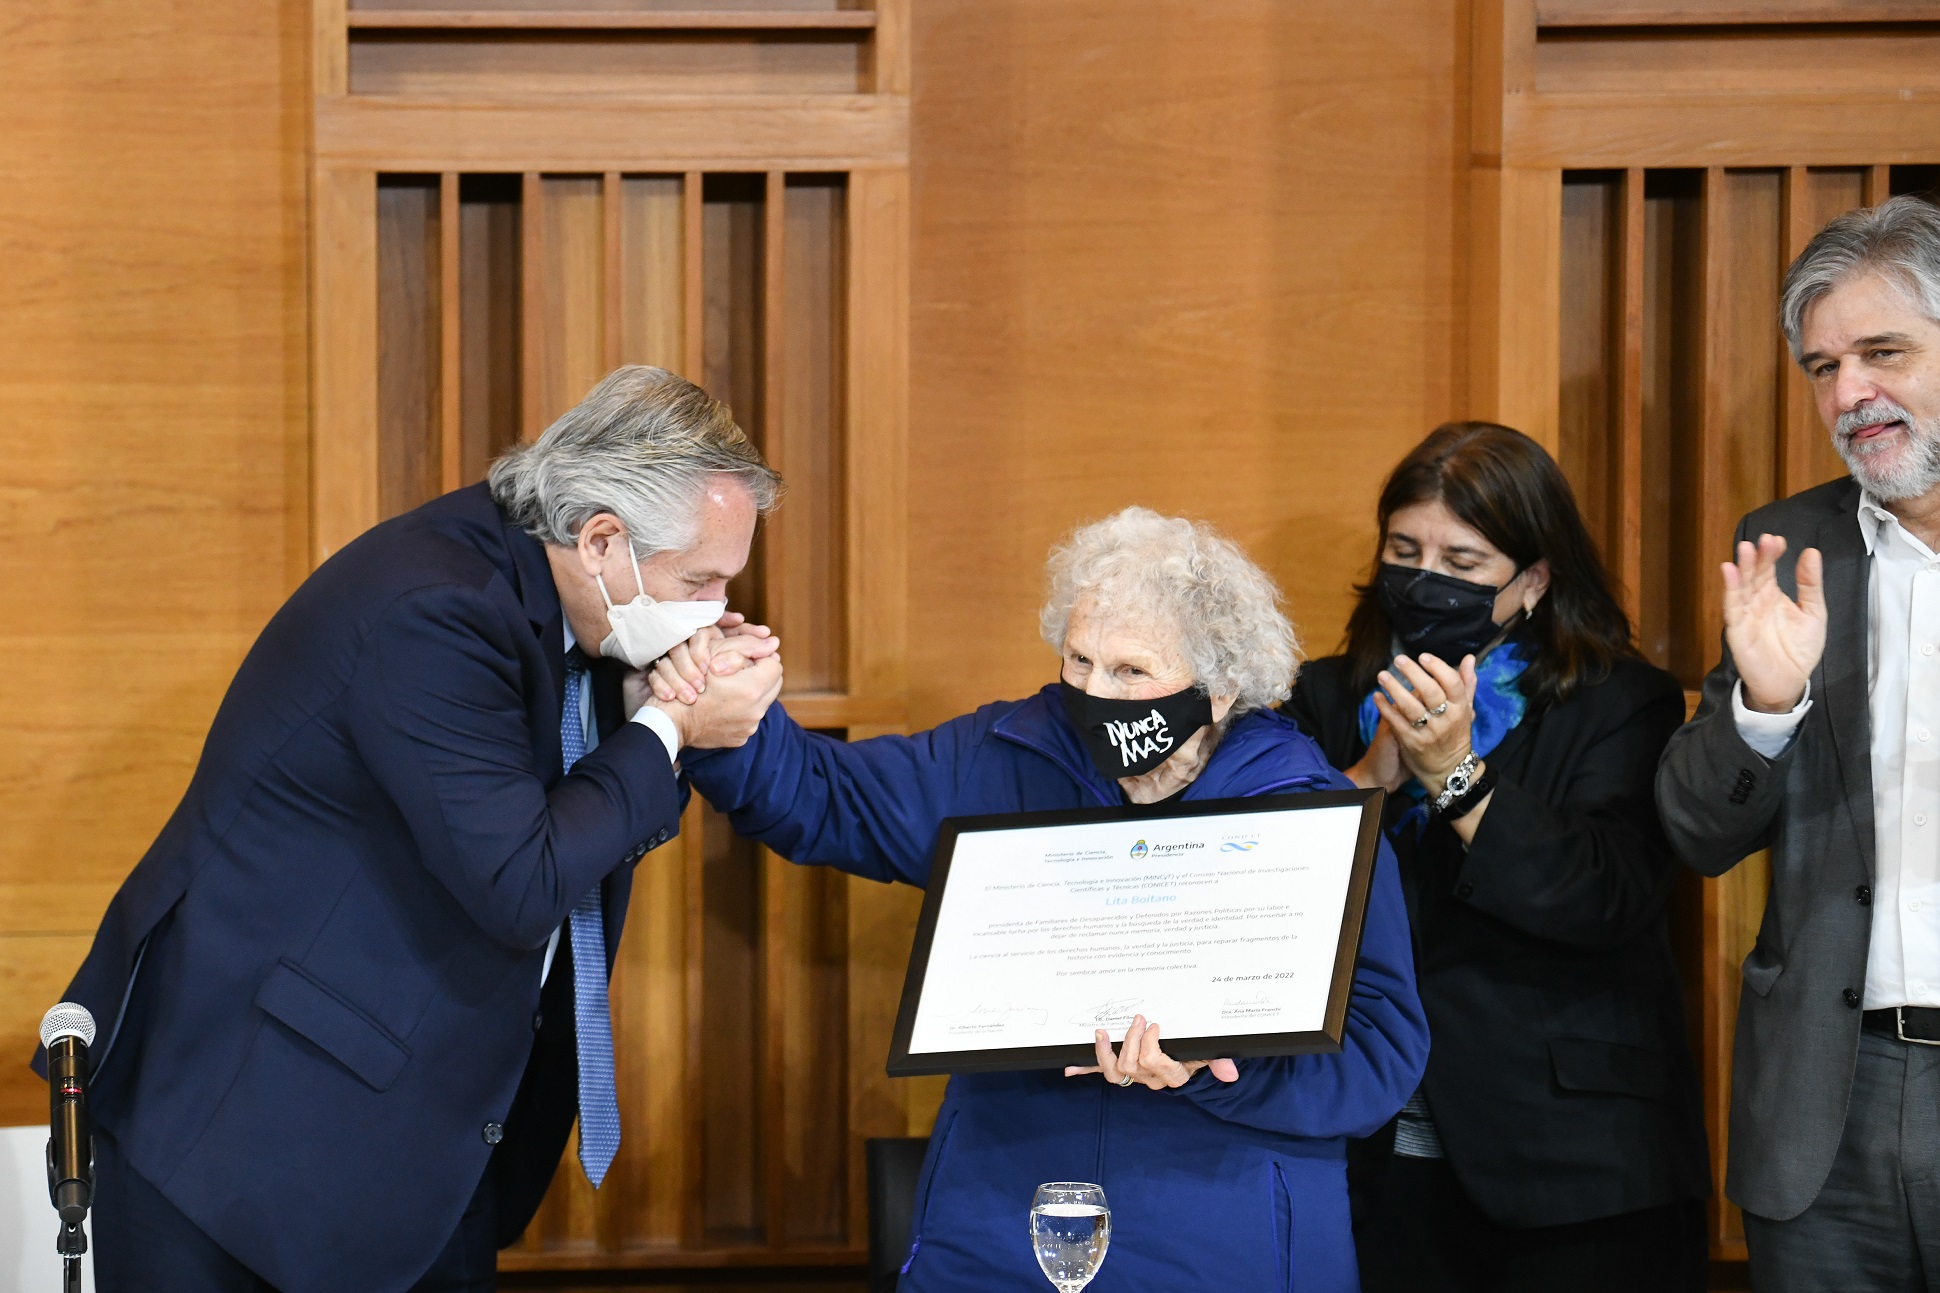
(1139, 850)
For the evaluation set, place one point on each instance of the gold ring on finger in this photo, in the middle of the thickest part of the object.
(1126, 1080)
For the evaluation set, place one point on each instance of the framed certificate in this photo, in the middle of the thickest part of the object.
(1232, 923)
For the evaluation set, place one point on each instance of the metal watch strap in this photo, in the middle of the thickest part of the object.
(1457, 782)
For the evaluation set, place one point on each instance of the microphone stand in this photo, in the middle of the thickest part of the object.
(71, 1245)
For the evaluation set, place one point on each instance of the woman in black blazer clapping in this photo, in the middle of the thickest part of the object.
(1489, 683)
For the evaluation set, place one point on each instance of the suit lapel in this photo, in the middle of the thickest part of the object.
(1844, 670)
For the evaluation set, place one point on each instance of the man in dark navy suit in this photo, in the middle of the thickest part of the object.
(354, 996)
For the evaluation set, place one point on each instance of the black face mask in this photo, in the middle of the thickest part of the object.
(1129, 738)
(1436, 614)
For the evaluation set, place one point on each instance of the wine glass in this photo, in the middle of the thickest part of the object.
(1070, 1229)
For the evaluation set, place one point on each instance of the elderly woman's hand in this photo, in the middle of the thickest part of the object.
(1141, 1060)
(1431, 715)
(728, 647)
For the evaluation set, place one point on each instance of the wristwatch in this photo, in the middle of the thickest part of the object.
(1463, 790)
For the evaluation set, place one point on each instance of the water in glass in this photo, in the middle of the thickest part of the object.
(1070, 1229)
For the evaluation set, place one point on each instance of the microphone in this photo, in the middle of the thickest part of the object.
(67, 1031)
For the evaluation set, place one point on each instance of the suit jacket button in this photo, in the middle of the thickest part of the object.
(1466, 890)
(494, 1132)
(538, 1020)
(1864, 895)
(1851, 998)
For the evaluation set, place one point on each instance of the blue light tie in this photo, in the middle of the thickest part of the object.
(599, 1106)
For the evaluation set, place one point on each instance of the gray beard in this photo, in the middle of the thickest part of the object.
(1912, 474)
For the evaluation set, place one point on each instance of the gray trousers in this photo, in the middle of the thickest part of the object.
(1876, 1222)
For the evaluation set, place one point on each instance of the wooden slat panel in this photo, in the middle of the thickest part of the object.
(329, 48)
(1879, 184)
(805, 1156)
(876, 475)
(669, 133)
(1644, 63)
(1515, 274)
(572, 310)
(1627, 465)
(344, 442)
(490, 267)
(652, 269)
(409, 338)
(612, 272)
(1586, 435)
(889, 53)
(534, 349)
(693, 277)
(613, 19)
(734, 1051)
(1655, 13)
(808, 362)
(1806, 455)
(1800, 127)
(733, 261)
(1670, 376)
(525, 64)
(451, 422)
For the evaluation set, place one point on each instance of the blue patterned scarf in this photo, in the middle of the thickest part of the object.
(1499, 706)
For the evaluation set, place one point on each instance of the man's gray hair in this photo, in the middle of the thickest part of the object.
(1899, 238)
(1185, 578)
(642, 445)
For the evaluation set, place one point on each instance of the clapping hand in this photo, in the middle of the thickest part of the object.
(1141, 1060)
(1432, 715)
(1775, 641)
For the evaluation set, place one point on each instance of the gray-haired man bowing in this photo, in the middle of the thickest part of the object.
(1819, 738)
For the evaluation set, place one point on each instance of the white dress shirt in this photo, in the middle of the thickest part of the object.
(1903, 678)
(646, 716)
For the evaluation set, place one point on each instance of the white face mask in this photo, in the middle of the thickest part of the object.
(644, 630)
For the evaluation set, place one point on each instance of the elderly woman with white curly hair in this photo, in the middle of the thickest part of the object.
(1229, 1174)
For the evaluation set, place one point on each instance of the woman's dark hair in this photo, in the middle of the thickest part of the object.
(1502, 485)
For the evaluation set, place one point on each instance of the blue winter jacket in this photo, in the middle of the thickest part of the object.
(1214, 1185)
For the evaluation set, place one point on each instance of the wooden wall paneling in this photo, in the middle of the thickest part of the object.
(409, 342)
(889, 50)
(693, 234)
(733, 261)
(1879, 184)
(451, 422)
(809, 365)
(329, 50)
(1587, 436)
(734, 1029)
(344, 426)
(535, 352)
(1672, 386)
(1514, 278)
(875, 434)
(572, 307)
(1627, 463)
(651, 269)
(490, 319)
(1739, 432)
(805, 1149)
(612, 282)
(1812, 197)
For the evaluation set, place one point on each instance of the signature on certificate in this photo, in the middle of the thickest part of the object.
(1256, 1004)
(1119, 1010)
(1006, 1013)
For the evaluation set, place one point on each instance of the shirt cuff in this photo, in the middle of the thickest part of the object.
(661, 726)
(1769, 735)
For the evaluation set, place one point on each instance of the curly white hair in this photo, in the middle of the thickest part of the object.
(1189, 578)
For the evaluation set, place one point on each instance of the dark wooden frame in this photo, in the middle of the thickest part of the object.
(1323, 1041)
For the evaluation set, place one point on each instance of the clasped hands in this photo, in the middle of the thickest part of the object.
(1427, 710)
(715, 686)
